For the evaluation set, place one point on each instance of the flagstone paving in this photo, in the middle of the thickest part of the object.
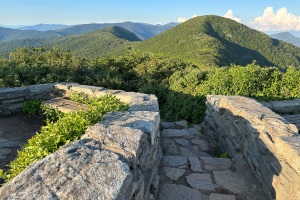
(191, 170)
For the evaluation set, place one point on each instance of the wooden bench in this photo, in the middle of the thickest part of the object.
(293, 119)
(65, 105)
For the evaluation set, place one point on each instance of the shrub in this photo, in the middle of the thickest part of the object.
(32, 107)
(67, 128)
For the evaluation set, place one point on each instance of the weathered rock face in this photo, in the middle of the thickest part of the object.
(11, 99)
(117, 158)
(247, 129)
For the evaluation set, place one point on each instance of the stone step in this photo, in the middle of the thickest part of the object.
(65, 105)
(188, 171)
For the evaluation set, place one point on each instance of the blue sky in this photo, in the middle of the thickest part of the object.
(29, 12)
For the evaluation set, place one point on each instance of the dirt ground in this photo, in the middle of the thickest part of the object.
(14, 133)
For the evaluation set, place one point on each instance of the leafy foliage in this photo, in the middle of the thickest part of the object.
(32, 107)
(67, 128)
(180, 87)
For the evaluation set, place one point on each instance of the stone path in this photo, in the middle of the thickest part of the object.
(189, 170)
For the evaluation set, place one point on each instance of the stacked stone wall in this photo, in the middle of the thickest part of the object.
(12, 99)
(253, 133)
(117, 158)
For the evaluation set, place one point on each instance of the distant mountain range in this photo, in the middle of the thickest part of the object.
(44, 27)
(45, 34)
(287, 37)
(207, 41)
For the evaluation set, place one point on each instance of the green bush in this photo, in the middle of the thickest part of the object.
(32, 107)
(67, 128)
(181, 87)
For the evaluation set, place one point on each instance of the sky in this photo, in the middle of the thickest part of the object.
(264, 15)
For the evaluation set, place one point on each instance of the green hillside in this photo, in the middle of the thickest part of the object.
(287, 37)
(7, 47)
(96, 43)
(213, 41)
(8, 34)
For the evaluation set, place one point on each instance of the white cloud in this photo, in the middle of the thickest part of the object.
(281, 20)
(229, 14)
(183, 19)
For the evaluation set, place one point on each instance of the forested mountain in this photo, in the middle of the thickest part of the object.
(44, 27)
(213, 41)
(96, 43)
(287, 37)
(207, 41)
(7, 47)
(10, 39)
(9, 34)
(142, 30)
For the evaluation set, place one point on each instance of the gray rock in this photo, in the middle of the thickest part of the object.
(79, 170)
(230, 181)
(286, 106)
(169, 146)
(40, 88)
(11, 93)
(146, 121)
(182, 142)
(178, 192)
(10, 143)
(9, 101)
(174, 161)
(215, 196)
(175, 133)
(4, 152)
(195, 164)
(140, 102)
(194, 131)
(155, 184)
(167, 124)
(182, 123)
(197, 126)
(212, 163)
(174, 173)
(186, 153)
(125, 141)
(202, 144)
(205, 197)
(200, 181)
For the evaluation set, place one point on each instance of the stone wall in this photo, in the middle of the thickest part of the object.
(117, 158)
(249, 131)
(11, 99)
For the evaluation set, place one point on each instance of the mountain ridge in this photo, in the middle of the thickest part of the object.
(287, 37)
(96, 43)
(214, 41)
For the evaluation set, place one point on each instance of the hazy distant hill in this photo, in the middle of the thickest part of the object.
(212, 41)
(44, 27)
(8, 34)
(96, 43)
(287, 37)
(142, 30)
